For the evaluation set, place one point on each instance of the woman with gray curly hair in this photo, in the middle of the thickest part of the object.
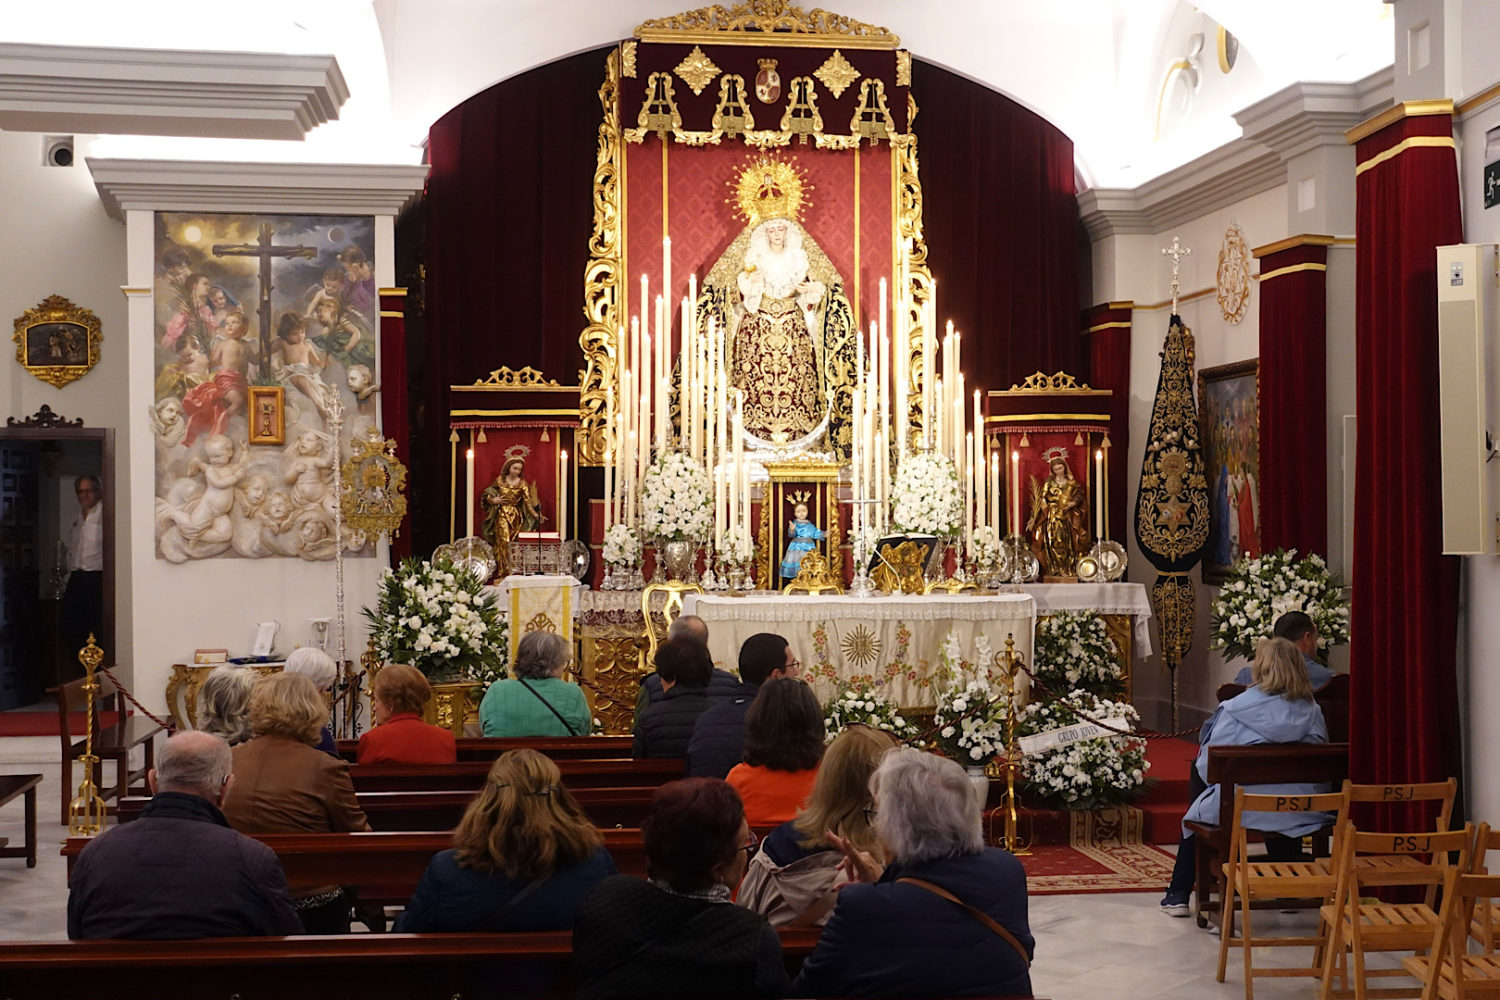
(538, 702)
(224, 703)
(945, 916)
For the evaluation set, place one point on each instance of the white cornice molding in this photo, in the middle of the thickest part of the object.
(267, 188)
(1292, 121)
(1304, 116)
(1231, 173)
(235, 95)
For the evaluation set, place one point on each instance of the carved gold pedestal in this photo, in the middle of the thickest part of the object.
(453, 703)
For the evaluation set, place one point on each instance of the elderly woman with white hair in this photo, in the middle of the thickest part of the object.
(946, 916)
(318, 667)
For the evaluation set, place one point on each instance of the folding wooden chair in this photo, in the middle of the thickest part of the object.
(1361, 925)
(1482, 925)
(1441, 792)
(1448, 971)
(1273, 880)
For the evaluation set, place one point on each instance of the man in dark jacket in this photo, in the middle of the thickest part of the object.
(718, 741)
(664, 728)
(179, 871)
(722, 685)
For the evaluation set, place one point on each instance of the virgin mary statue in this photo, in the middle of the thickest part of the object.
(790, 341)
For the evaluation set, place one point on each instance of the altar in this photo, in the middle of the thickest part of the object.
(893, 641)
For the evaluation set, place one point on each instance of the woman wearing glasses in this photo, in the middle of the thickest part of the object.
(678, 933)
(523, 856)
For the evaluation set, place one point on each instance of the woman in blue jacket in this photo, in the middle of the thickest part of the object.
(1279, 708)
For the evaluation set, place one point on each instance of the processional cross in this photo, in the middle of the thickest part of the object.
(267, 252)
(1176, 251)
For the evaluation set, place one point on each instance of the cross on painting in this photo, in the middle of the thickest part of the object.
(266, 251)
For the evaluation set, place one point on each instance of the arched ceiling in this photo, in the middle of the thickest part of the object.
(1101, 70)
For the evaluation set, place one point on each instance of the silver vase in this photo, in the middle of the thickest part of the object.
(678, 559)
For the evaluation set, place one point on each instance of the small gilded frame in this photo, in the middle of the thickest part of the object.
(267, 414)
(58, 342)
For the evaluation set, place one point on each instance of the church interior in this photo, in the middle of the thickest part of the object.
(909, 327)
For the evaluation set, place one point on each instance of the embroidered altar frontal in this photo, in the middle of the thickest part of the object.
(893, 642)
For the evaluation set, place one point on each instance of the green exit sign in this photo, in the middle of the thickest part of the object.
(1492, 184)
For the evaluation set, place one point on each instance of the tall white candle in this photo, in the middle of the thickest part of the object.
(995, 493)
(609, 464)
(969, 499)
(469, 493)
(885, 375)
(959, 429)
(631, 494)
(1015, 492)
(929, 374)
(1099, 494)
(903, 354)
(562, 458)
(934, 418)
(685, 383)
(737, 468)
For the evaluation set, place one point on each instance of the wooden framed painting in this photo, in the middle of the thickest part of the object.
(267, 414)
(58, 342)
(1229, 418)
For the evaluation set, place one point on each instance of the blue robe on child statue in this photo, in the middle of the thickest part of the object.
(804, 539)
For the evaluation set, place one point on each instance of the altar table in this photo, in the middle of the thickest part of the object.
(894, 641)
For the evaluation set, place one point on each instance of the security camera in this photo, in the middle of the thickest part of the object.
(57, 151)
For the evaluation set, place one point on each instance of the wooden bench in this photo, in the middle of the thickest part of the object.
(1332, 698)
(469, 775)
(441, 810)
(369, 966)
(556, 747)
(12, 785)
(110, 742)
(1261, 764)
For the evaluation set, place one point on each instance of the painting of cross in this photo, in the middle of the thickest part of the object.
(267, 252)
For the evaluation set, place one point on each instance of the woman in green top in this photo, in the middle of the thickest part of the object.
(538, 702)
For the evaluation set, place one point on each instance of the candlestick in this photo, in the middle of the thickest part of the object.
(630, 494)
(1099, 494)
(1104, 484)
(685, 384)
(902, 347)
(969, 494)
(735, 495)
(558, 495)
(995, 492)
(469, 493)
(929, 377)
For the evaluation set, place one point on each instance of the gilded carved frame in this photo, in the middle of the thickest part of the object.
(756, 22)
(57, 341)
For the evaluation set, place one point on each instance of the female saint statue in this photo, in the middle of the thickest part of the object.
(790, 329)
(511, 506)
(1059, 520)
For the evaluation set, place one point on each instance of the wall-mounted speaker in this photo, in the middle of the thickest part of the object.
(57, 150)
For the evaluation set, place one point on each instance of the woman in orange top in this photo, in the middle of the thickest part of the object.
(783, 745)
(400, 736)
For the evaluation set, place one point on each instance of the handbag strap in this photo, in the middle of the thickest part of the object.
(550, 708)
(977, 914)
(513, 901)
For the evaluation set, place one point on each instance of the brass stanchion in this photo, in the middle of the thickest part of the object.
(86, 812)
(1012, 840)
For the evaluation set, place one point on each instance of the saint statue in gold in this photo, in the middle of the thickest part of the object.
(511, 506)
(789, 325)
(1059, 519)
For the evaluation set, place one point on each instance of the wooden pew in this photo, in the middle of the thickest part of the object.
(577, 774)
(441, 810)
(384, 867)
(556, 747)
(369, 966)
(1261, 764)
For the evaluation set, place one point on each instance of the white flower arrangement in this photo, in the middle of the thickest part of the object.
(864, 540)
(1073, 650)
(677, 500)
(862, 704)
(621, 547)
(1259, 591)
(1090, 773)
(986, 547)
(734, 542)
(437, 618)
(926, 497)
(971, 707)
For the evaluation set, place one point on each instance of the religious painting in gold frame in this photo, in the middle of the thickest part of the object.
(1229, 422)
(267, 404)
(789, 485)
(57, 341)
(769, 24)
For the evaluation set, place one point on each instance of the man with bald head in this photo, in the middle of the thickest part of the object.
(722, 685)
(179, 871)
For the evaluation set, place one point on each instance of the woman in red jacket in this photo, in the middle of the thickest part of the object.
(400, 736)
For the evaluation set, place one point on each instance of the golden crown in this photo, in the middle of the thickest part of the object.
(769, 187)
(1054, 454)
(801, 496)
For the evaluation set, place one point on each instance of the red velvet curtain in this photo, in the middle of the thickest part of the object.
(393, 401)
(1403, 706)
(509, 215)
(1001, 219)
(1108, 329)
(1293, 420)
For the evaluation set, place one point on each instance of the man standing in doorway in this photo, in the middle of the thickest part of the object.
(83, 600)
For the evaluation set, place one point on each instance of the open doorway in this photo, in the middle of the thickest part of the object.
(57, 569)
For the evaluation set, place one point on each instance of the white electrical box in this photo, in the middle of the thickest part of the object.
(1467, 326)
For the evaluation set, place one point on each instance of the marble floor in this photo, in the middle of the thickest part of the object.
(1097, 947)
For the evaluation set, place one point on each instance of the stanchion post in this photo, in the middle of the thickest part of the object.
(86, 812)
(1012, 840)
